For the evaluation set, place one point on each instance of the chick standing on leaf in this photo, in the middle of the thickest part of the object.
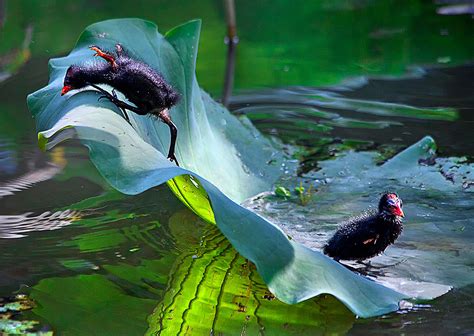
(368, 235)
(140, 84)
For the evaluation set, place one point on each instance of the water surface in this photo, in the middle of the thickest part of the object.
(95, 261)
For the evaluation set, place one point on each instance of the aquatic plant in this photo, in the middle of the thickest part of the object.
(224, 161)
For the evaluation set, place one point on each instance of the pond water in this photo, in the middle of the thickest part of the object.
(333, 79)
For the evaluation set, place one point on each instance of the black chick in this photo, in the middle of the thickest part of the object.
(369, 235)
(142, 85)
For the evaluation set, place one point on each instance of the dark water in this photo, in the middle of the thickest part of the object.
(97, 262)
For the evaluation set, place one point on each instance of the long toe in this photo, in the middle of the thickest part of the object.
(172, 158)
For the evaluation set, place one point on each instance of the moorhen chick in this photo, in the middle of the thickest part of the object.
(370, 234)
(142, 85)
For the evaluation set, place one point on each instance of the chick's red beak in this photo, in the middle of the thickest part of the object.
(398, 211)
(66, 89)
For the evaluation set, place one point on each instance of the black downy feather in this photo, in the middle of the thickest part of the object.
(369, 234)
(141, 85)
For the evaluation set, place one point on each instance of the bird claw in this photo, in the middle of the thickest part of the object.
(172, 158)
(103, 97)
(111, 97)
(106, 56)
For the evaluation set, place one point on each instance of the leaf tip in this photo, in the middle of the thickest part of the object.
(428, 142)
(42, 141)
(195, 23)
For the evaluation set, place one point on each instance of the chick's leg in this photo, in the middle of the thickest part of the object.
(105, 55)
(165, 117)
(123, 106)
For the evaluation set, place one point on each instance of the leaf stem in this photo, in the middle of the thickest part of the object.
(231, 40)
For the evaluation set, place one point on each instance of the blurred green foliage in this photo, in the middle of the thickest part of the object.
(281, 42)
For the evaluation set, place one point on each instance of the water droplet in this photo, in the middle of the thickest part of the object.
(444, 60)
(405, 305)
(194, 182)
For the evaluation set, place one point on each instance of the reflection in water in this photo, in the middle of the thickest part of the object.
(13, 60)
(16, 226)
(8, 159)
(37, 172)
(369, 113)
(28, 180)
(131, 259)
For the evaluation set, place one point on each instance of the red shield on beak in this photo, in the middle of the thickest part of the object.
(398, 212)
(66, 89)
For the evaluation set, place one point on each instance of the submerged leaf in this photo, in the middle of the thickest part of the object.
(433, 253)
(88, 301)
(11, 320)
(225, 160)
(282, 192)
(217, 291)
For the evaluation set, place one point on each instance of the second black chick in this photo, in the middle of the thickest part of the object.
(368, 235)
(141, 84)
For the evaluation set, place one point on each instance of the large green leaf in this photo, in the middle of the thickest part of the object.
(213, 289)
(226, 161)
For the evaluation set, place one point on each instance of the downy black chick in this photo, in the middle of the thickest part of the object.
(370, 234)
(140, 84)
